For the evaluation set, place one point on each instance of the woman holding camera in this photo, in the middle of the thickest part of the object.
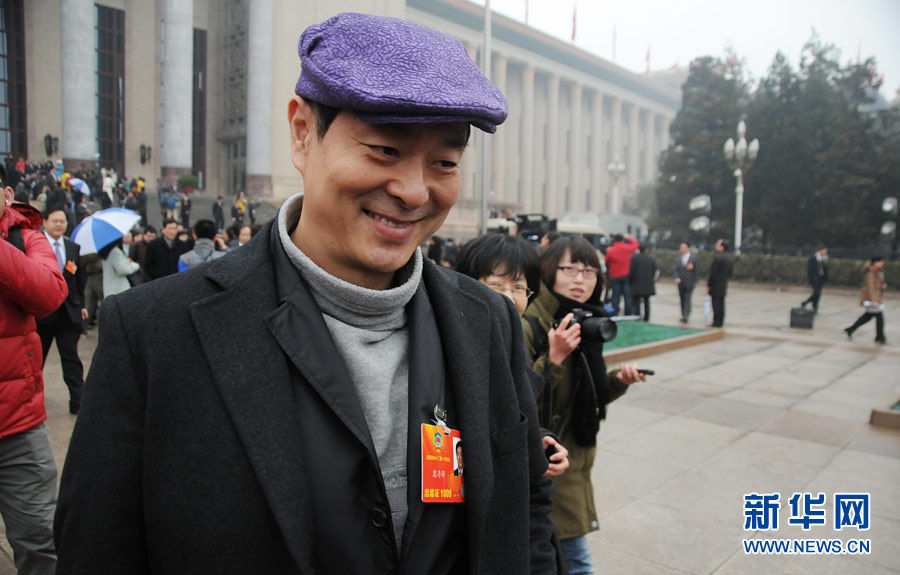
(578, 387)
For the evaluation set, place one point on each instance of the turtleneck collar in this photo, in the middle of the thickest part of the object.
(350, 303)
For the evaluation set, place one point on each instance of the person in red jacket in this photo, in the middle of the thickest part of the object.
(618, 265)
(31, 285)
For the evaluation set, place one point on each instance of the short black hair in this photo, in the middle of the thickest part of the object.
(168, 221)
(57, 207)
(3, 183)
(580, 251)
(724, 244)
(149, 228)
(205, 229)
(876, 259)
(325, 115)
(479, 258)
(104, 251)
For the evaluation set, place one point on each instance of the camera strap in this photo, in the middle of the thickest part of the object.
(14, 236)
(542, 348)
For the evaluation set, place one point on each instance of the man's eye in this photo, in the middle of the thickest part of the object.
(447, 163)
(386, 150)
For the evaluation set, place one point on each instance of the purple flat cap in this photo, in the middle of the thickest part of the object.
(388, 70)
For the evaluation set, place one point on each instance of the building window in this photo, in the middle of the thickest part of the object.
(198, 136)
(13, 132)
(111, 87)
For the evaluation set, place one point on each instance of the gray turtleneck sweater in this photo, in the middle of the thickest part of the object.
(371, 334)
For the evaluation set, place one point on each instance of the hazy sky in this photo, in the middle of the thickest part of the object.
(676, 31)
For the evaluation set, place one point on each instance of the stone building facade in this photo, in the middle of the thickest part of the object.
(158, 88)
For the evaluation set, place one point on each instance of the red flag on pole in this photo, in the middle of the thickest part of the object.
(574, 18)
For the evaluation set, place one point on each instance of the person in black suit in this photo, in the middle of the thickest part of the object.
(719, 274)
(643, 274)
(817, 273)
(685, 278)
(65, 324)
(161, 258)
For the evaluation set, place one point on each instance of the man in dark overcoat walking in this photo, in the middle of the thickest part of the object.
(643, 274)
(817, 275)
(719, 273)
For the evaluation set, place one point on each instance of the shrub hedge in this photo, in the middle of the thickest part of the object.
(781, 269)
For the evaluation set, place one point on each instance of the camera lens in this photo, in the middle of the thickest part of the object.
(599, 329)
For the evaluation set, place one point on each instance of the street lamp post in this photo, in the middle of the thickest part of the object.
(616, 170)
(740, 156)
(889, 228)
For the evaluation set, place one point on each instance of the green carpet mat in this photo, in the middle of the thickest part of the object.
(637, 333)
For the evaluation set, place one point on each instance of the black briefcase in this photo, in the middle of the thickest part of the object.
(802, 317)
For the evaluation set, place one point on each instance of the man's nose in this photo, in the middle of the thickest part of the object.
(409, 184)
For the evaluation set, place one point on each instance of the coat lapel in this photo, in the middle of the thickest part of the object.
(298, 327)
(252, 376)
(464, 325)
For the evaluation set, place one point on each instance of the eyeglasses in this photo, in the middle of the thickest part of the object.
(515, 290)
(572, 271)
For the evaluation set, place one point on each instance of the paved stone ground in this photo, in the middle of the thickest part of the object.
(766, 409)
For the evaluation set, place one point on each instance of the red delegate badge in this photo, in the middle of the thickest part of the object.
(71, 267)
(442, 465)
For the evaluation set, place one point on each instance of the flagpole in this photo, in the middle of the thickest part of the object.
(485, 143)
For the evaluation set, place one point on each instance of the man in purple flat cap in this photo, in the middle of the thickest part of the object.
(296, 426)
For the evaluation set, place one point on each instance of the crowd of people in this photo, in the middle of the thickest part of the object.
(274, 412)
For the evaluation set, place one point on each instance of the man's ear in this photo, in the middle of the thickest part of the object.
(303, 127)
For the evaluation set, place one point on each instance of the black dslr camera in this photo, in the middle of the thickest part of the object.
(593, 327)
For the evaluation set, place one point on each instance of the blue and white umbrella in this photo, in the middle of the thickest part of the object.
(103, 228)
(81, 186)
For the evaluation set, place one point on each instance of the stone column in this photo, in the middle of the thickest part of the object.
(259, 99)
(617, 152)
(664, 133)
(597, 159)
(530, 193)
(650, 147)
(78, 144)
(177, 98)
(552, 203)
(633, 160)
(498, 173)
(470, 158)
(576, 162)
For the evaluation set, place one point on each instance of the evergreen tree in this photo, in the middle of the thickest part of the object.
(714, 96)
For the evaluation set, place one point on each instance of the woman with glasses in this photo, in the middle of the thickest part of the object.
(509, 266)
(578, 387)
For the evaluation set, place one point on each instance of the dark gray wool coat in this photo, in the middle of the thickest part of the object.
(220, 433)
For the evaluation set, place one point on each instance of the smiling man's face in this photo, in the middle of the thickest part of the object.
(372, 193)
